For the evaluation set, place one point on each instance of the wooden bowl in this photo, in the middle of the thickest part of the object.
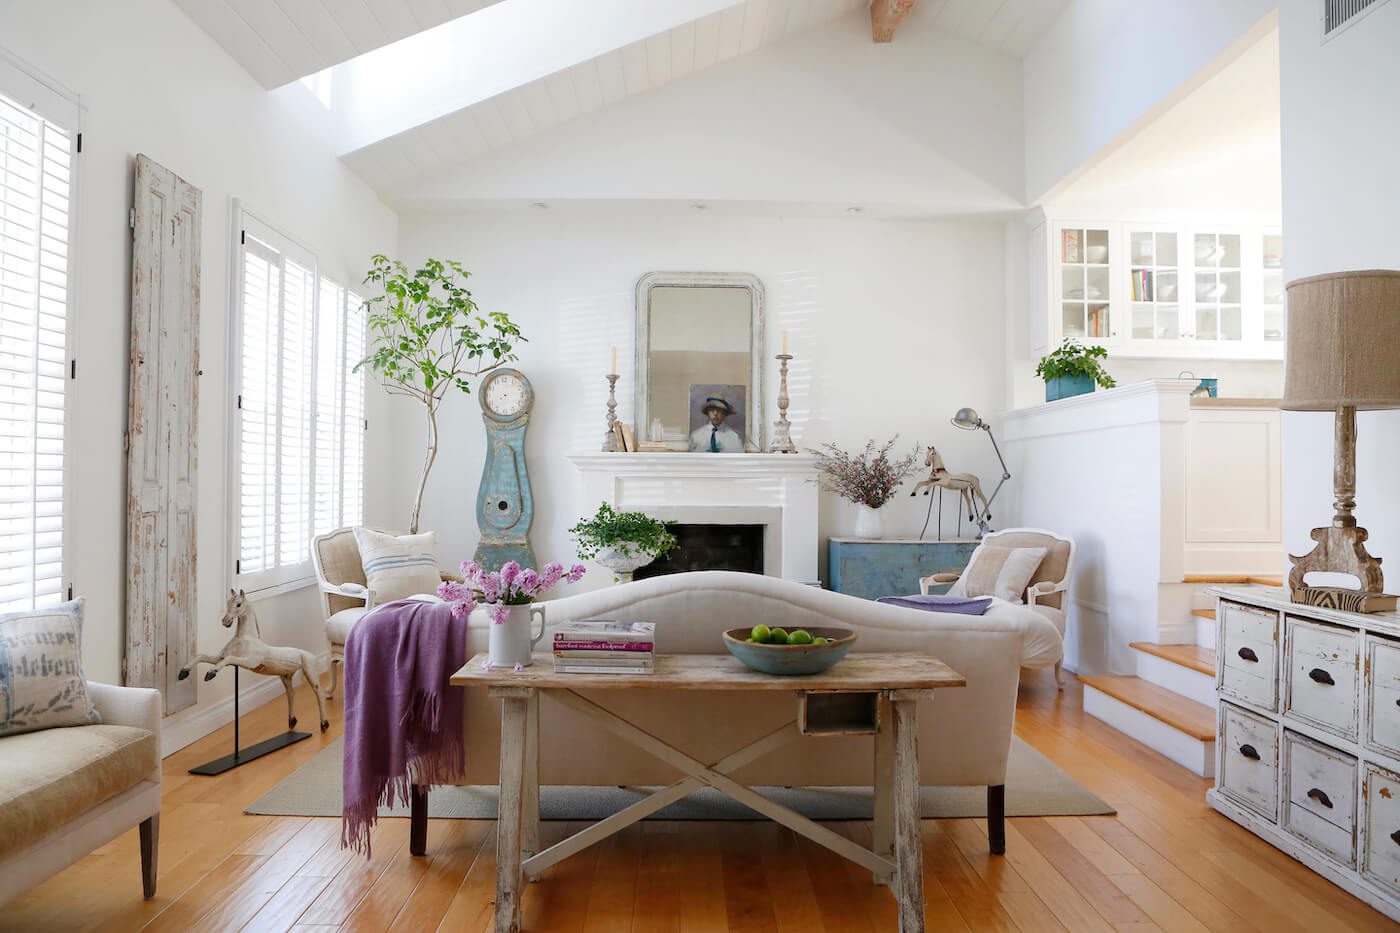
(790, 660)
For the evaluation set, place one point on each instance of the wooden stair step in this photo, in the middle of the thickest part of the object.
(1203, 613)
(1237, 579)
(1193, 656)
(1187, 716)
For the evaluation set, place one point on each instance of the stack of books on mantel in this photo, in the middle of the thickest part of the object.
(604, 647)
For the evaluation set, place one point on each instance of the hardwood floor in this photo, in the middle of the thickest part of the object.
(1164, 862)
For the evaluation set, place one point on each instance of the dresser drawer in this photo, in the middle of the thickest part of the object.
(1320, 676)
(1319, 804)
(1380, 854)
(1249, 760)
(1248, 642)
(1383, 694)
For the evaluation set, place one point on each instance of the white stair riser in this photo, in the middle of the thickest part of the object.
(1205, 632)
(1191, 684)
(1191, 753)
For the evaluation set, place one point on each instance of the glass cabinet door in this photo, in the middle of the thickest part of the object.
(1219, 300)
(1272, 301)
(1154, 273)
(1084, 283)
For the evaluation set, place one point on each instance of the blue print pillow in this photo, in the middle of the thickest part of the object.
(41, 670)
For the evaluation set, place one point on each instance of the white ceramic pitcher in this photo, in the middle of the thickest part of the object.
(510, 642)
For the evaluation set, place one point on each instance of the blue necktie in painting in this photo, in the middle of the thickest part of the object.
(714, 440)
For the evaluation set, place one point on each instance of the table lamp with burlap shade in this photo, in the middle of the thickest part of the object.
(1343, 356)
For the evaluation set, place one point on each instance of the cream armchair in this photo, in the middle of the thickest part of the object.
(345, 595)
(1046, 592)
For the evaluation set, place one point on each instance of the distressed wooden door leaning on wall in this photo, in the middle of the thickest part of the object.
(162, 443)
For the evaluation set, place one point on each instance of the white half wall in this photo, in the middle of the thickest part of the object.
(894, 325)
(152, 82)
(1341, 146)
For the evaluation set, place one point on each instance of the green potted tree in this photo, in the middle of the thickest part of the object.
(1073, 369)
(622, 541)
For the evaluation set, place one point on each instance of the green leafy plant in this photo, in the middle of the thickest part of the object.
(631, 533)
(427, 337)
(1074, 359)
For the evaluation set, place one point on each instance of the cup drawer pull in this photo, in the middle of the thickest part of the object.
(1318, 675)
(1395, 836)
(1248, 654)
(1250, 752)
(1321, 797)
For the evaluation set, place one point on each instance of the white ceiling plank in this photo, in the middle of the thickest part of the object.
(357, 22)
(240, 40)
(429, 13)
(282, 35)
(563, 94)
(538, 103)
(775, 21)
(492, 123)
(470, 135)
(394, 17)
(611, 77)
(466, 7)
(1003, 22)
(707, 40)
(755, 19)
(516, 115)
(436, 142)
(658, 59)
(731, 32)
(320, 28)
(682, 50)
(588, 90)
(634, 67)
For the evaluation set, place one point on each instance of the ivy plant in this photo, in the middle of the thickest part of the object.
(631, 533)
(427, 337)
(1073, 359)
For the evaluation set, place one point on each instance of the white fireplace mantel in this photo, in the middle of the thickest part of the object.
(778, 491)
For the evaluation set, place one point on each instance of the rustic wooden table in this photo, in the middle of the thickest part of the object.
(887, 686)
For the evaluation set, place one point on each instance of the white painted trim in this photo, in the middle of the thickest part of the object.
(1097, 410)
(1185, 681)
(1206, 635)
(179, 730)
(1192, 754)
(1177, 633)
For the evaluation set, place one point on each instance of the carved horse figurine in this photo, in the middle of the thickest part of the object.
(253, 654)
(966, 485)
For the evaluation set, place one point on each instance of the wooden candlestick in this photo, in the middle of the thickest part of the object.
(782, 428)
(610, 440)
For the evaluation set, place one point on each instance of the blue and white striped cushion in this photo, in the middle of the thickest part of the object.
(398, 566)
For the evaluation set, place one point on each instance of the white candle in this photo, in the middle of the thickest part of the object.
(785, 342)
(614, 361)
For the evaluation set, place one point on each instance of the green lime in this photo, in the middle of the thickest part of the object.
(800, 637)
(819, 640)
(780, 631)
(750, 640)
(761, 634)
(780, 637)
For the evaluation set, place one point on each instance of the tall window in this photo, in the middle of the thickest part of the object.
(300, 456)
(36, 161)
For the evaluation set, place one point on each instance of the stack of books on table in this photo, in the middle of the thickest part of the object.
(604, 647)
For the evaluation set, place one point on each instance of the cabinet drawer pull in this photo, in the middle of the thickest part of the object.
(1321, 797)
(1320, 676)
(1396, 837)
(1250, 752)
(1248, 654)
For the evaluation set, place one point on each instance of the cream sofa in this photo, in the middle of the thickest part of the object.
(64, 792)
(964, 737)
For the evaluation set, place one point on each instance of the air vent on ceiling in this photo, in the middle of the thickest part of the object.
(1337, 15)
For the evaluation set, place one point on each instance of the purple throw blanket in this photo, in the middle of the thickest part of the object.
(962, 605)
(403, 720)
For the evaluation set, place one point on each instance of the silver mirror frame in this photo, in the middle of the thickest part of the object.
(757, 439)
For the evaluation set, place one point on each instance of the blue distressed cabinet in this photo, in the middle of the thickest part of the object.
(891, 567)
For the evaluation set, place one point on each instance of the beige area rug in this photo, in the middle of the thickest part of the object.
(1035, 786)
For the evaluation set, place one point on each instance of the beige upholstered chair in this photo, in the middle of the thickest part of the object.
(345, 598)
(1047, 591)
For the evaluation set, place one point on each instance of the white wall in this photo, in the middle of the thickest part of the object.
(1341, 146)
(895, 325)
(153, 83)
(1105, 66)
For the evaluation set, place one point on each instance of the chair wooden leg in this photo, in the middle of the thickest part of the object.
(1059, 678)
(417, 820)
(996, 819)
(330, 666)
(150, 847)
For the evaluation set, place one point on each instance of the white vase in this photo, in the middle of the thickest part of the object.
(510, 642)
(870, 523)
(623, 564)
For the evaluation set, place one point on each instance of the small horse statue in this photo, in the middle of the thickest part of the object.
(251, 653)
(966, 485)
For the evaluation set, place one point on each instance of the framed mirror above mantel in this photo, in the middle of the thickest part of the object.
(700, 360)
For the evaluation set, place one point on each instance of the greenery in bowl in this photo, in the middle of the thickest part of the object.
(630, 533)
(1073, 359)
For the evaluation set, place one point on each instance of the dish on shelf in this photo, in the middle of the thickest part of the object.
(1092, 293)
(1096, 254)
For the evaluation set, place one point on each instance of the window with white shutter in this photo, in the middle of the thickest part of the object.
(300, 441)
(36, 178)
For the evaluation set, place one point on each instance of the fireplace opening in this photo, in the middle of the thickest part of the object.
(710, 547)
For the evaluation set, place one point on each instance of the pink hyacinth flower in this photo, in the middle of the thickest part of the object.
(576, 572)
(462, 609)
(509, 572)
(491, 587)
(528, 583)
(470, 569)
(453, 592)
(499, 612)
(553, 573)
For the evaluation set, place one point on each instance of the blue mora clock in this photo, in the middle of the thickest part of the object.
(504, 506)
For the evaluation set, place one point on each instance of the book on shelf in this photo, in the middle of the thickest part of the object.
(601, 667)
(1069, 246)
(632, 652)
(605, 630)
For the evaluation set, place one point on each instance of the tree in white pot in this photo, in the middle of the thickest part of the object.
(868, 479)
(622, 541)
(427, 337)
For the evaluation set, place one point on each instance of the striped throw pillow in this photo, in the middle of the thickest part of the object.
(1002, 572)
(398, 565)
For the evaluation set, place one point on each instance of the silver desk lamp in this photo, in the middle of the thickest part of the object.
(967, 419)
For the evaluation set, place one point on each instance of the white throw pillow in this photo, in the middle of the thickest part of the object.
(41, 670)
(1002, 572)
(397, 566)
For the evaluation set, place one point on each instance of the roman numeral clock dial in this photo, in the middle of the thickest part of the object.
(504, 506)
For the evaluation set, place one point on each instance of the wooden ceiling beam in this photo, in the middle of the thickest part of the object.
(885, 17)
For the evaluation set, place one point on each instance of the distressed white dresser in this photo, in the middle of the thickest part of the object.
(1308, 735)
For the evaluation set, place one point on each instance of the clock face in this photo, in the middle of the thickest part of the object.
(506, 395)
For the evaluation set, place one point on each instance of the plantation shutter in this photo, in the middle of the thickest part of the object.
(36, 161)
(340, 412)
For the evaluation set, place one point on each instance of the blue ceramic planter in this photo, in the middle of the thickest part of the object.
(1067, 387)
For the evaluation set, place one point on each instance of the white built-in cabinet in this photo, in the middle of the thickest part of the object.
(1160, 290)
